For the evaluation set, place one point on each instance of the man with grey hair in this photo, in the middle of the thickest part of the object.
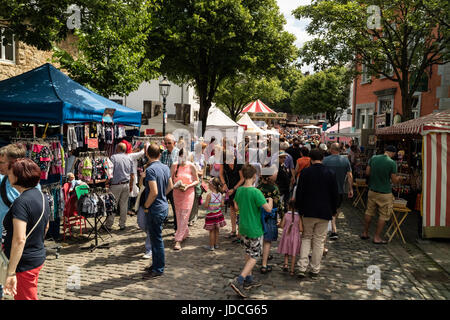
(121, 184)
(342, 169)
(168, 157)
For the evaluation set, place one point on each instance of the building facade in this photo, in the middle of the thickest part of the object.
(377, 100)
(17, 57)
(181, 103)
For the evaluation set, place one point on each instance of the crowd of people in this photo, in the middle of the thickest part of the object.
(299, 189)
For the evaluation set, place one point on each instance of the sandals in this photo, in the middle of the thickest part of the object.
(381, 242)
(231, 235)
(364, 237)
(292, 273)
(237, 240)
(266, 269)
(285, 268)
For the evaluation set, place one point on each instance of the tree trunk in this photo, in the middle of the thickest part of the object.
(205, 104)
(406, 101)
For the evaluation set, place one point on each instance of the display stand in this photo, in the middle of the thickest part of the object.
(97, 219)
(92, 247)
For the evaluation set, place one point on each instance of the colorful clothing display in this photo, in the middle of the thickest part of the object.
(97, 204)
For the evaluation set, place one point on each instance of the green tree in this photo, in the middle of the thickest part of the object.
(205, 42)
(112, 49)
(236, 92)
(291, 78)
(412, 36)
(323, 91)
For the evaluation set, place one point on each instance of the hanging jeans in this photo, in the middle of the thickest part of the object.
(155, 222)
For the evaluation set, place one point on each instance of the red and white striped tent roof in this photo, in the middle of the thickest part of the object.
(257, 106)
(434, 122)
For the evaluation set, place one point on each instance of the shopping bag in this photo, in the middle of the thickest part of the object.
(4, 262)
(141, 219)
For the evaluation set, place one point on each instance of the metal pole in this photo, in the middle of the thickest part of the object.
(339, 125)
(164, 116)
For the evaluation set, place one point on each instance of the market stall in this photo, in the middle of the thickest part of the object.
(433, 131)
(63, 126)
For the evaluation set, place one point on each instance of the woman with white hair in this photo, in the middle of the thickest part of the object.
(185, 178)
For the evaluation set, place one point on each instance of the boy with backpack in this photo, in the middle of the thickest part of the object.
(249, 201)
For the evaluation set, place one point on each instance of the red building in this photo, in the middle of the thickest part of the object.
(376, 100)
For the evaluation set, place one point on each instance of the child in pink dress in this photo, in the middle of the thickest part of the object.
(291, 238)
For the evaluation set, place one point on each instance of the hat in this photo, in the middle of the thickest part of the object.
(323, 147)
(390, 148)
(282, 154)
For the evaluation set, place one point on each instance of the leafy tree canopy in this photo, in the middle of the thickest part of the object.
(324, 91)
(112, 49)
(405, 37)
(205, 42)
(236, 92)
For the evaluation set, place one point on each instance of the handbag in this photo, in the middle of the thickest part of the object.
(4, 262)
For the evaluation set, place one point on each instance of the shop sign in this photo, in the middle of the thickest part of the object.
(380, 119)
(92, 143)
(108, 115)
(149, 132)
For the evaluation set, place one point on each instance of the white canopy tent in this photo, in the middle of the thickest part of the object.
(251, 126)
(312, 127)
(219, 125)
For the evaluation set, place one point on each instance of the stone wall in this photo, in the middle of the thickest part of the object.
(28, 58)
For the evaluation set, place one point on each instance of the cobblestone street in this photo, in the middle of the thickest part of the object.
(194, 273)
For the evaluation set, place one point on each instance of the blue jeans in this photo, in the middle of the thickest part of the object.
(154, 227)
(148, 243)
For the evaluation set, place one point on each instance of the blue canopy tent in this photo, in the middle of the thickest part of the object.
(46, 95)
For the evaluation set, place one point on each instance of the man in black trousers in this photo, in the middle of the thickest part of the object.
(316, 201)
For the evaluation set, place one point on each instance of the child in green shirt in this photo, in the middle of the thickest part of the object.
(249, 200)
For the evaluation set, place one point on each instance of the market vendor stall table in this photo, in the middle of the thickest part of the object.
(396, 224)
(361, 190)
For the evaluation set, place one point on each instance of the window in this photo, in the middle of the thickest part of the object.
(358, 119)
(7, 47)
(388, 70)
(415, 106)
(386, 107)
(365, 76)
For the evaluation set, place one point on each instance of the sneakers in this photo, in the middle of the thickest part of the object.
(216, 246)
(238, 287)
(333, 236)
(147, 255)
(208, 248)
(251, 284)
(301, 275)
(313, 275)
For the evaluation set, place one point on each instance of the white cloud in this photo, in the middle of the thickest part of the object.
(295, 26)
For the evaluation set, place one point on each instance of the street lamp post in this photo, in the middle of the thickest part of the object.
(164, 89)
(339, 111)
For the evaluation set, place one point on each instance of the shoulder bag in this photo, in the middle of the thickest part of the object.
(4, 262)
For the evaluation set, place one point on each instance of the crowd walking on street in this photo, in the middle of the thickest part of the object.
(292, 205)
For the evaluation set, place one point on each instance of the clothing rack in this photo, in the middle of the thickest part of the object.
(93, 154)
(51, 186)
(16, 139)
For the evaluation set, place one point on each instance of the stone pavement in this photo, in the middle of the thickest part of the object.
(194, 273)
